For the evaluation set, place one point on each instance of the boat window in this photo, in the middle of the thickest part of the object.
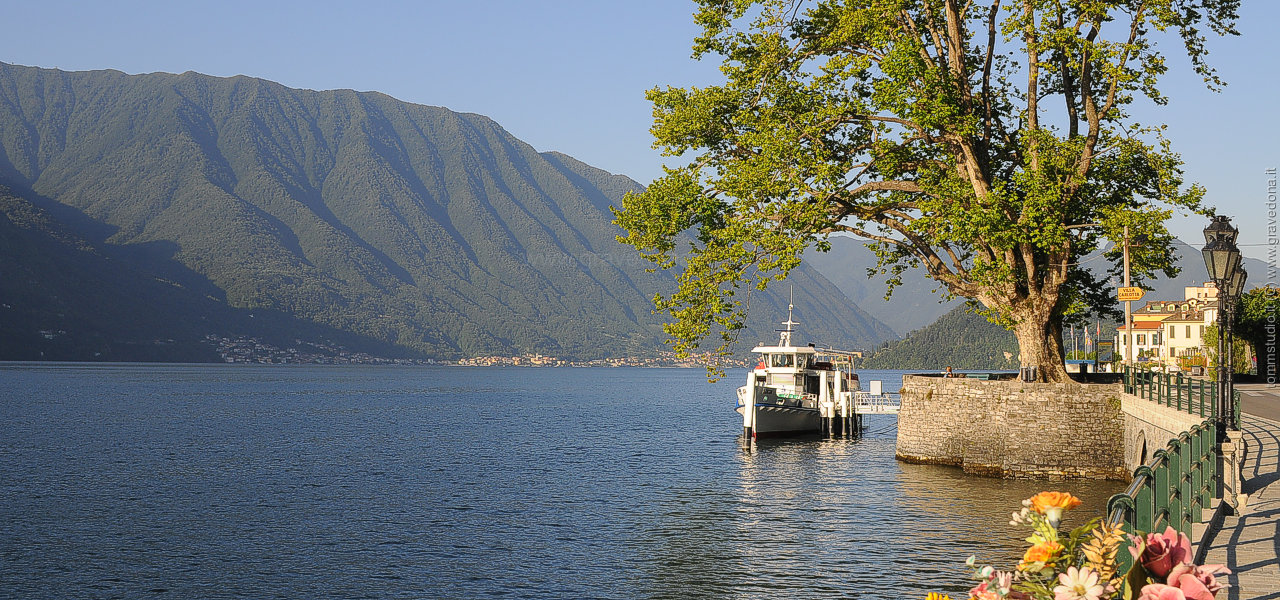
(782, 360)
(802, 361)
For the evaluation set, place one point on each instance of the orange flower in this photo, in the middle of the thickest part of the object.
(1042, 553)
(1061, 500)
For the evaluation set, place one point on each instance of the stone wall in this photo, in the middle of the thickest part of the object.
(1014, 429)
(1149, 427)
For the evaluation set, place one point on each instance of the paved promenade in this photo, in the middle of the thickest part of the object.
(1250, 542)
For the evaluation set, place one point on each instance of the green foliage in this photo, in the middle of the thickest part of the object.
(1258, 323)
(395, 227)
(960, 339)
(1241, 355)
(918, 126)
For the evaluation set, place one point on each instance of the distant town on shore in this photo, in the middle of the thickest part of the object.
(246, 350)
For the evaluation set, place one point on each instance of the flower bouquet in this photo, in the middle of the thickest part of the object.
(1081, 564)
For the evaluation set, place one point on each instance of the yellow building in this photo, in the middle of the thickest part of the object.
(1166, 330)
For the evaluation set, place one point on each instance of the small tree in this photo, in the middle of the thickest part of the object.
(1258, 323)
(987, 142)
(1241, 352)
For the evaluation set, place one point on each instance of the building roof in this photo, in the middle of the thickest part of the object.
(1144, 326)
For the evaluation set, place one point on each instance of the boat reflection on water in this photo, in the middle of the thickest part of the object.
(825, 509)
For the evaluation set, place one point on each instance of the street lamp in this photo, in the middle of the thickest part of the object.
(1222, 258)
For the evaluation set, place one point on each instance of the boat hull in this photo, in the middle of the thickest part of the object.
(776, 421)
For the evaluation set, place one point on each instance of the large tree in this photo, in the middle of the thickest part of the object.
(989, 142)
(1257, 316)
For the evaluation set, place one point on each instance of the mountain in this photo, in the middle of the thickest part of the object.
(1195, 273)
(917, 302)
(144, 213)
(959, 339)
(914, 304)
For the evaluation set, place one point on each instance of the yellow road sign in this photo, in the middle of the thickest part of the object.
(1131, 293)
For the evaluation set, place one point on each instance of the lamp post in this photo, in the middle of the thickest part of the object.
(1234, 288)
(1222, 258)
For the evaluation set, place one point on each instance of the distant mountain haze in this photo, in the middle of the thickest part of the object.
(920, 301)
(141, 213)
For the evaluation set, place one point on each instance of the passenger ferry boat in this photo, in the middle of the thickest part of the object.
(799, 389)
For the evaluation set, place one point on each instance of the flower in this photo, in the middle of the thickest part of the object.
(1078, 584)
(1039, 555)
(1161, 552)
(1051, 505)
(1197, 582)
(983, 591)
(1045, 500)
(937, 596)
(1160, 591)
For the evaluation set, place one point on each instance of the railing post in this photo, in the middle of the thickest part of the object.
(1209, 435)
(1144, 500)
(1177, 472)
(1196, 496)
(1186, 499)
(1201, 384)
(1180, 405)
(1160, 492)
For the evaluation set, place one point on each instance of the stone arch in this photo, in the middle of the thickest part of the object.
(1142, 445)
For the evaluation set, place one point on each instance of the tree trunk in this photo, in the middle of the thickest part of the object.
(1040, 346)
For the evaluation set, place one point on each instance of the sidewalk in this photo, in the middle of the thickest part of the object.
(1250, 542)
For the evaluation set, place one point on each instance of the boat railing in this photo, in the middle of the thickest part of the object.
(865, 402)
(805, 399)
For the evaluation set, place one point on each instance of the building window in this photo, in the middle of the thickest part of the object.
(1171, 332)
(1202, 331)
(1141, 339)
(1188, 332)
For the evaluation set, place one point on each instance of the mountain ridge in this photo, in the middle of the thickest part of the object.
(402, 225)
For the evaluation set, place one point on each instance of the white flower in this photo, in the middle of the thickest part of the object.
(1078, 584)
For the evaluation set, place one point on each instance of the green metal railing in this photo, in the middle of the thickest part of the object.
(1193, 396)
(1190, 395)
(1173, 489)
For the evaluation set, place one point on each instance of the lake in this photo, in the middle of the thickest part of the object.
(230, 481)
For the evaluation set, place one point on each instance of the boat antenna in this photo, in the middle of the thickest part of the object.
(785, 339)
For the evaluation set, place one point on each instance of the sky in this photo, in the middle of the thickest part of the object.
(570, 75)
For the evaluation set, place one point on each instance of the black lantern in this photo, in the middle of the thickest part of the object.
(1221, 258)
(1236, 286)
(1220, 228)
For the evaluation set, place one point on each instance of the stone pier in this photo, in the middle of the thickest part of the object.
(1014, 429)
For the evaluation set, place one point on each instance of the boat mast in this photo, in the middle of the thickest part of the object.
(785, 339)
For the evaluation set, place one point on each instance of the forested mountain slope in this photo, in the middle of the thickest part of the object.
(339, 214)
(959, 339)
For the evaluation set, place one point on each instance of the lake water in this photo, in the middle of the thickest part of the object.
(223, 481)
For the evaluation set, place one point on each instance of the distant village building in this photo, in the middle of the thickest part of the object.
(1171, 332)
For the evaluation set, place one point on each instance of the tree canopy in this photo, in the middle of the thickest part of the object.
(989, 142)
(1257, 314)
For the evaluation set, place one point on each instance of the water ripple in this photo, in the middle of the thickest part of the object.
(346, 482)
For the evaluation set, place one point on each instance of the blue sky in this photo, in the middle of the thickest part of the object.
(571, 75)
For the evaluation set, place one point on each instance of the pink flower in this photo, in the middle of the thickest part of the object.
(1197, 583)
(1160, 553)
(982, 591)
(1160, 591)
